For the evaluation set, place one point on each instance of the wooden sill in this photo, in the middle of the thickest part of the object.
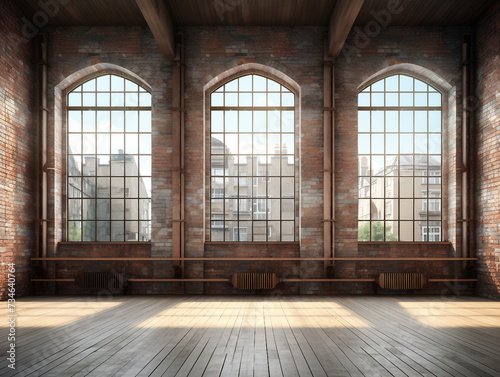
(288, 243)
(403, 243)
(103, 243)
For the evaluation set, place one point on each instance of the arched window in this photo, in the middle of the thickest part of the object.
(252, 161)
(109, 161)
(399, 163)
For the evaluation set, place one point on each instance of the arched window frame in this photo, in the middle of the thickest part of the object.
(143, 221)
(290, 85)
(439, 87)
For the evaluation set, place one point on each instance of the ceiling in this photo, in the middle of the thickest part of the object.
(260, 12)
(428, 12)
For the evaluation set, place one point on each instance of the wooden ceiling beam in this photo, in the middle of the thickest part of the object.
(156, 14)
(343, 18)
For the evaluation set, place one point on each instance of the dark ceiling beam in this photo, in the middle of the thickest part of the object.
(156, 14)
(343, 18)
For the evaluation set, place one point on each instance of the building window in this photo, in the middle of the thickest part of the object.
(109, 161)
(399, 161)
(432, 233)
(240, 234)
(252, 161)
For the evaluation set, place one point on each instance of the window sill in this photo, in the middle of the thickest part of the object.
(403, 243)
(251, 243)
(103, 243)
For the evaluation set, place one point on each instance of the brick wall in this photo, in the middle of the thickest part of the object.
(70, 269)
(488, 152)
(283, 269)
(298, 54)
(17, 149)
(429, 52)
(74, 54)
(441, 55)
(431, 269)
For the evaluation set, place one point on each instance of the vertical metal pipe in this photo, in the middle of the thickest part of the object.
(178, 178)
(327, 160)
(176, 161)
(471, 149)
(465, 124)
(466, 165)
(333, 160)
(182, 147)
(41, 103)
(38, 166)
(467, 148)
(44, 148)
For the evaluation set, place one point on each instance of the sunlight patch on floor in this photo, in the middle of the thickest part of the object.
(57, 313)
(455, 313)
(281, 315)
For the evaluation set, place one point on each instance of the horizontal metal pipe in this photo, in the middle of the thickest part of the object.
(326, 280)
(369, 280)
(449, 280)
(179, 280)
(250, 259)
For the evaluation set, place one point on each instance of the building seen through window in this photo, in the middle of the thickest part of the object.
(109, 161)
(252, 161)
(399, 164)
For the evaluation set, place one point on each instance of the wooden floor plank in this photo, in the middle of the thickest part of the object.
(247, 341)
(316, 322)
(110, 343)
(337, 328)
(378, 349)
(274, 365)
(399, 340)
(119, 343)
(205, 346)
(234, 348)
(427, 350)
(406, 364)
(216, 362)
(287, 362)
(195, 328)
(460, 357)
(329, 362)
(173, 364)
(217, 327)
(261, 361)
(168, 331)
(54, 345)
(297, 339)
(134, 346)
(257, 336)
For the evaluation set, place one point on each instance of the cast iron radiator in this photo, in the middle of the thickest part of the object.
(252, 280)
(99, 280)
(402, 280)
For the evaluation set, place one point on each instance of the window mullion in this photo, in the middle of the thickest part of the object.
(259, 196)
(411, 93)
(91, 177)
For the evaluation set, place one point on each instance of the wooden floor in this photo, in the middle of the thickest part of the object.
(255, 336)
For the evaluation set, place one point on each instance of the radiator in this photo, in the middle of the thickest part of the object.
(100, 280)
(251, 280)
(402, 280)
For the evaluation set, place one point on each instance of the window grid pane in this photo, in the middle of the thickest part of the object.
(109, 161)
(252, 161)
(399, 163)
